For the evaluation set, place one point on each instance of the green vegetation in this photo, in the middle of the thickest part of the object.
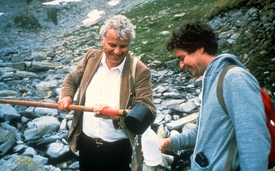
(156, 19)
(153, 18)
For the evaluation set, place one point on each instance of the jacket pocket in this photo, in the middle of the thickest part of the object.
(199, 162)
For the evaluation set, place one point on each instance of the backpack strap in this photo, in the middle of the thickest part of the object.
(233, 143)
(220, 87)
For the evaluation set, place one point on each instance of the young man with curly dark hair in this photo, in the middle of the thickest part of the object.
(194, 45)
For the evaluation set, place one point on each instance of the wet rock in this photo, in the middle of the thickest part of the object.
(24, 74)
(178, 124)
(37, 137)
(41, 111)
(21, 163)
(43, 66)
(74, 166)
(41, 126)
(16, 65)
(7, 112)
(5, 146)
(57, 149)
(187, 107)
(162, 131)
(8, 135)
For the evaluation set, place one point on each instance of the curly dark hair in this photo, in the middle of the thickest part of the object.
(192, 35)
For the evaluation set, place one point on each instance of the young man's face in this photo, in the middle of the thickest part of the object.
(114, 48)
(193, 62)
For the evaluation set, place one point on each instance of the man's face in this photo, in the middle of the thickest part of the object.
(114, 48)
(193, 62)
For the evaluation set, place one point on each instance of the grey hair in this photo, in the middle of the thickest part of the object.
(121, 24)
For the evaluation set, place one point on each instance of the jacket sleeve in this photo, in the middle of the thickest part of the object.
(245, 107)
(72, 80)
(187, 138)
(143, 92)
(143, 87)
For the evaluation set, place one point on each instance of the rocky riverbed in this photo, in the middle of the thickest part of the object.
(35, 60)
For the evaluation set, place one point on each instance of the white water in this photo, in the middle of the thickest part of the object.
(93, 17)
(60, 2)
(113, 2)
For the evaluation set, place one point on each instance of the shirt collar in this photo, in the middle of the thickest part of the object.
(120, 66)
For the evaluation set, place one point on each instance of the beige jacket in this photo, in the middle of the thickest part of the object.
(80, 77)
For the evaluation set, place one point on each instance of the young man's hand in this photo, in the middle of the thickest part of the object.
(164, 144)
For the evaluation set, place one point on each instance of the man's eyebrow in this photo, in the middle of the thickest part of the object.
(181, 57)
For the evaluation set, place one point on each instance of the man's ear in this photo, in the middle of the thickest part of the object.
(101, 40)
(201, 50)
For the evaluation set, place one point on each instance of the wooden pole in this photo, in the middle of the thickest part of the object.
(106, 111)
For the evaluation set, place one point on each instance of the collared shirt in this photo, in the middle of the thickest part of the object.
(104, 88)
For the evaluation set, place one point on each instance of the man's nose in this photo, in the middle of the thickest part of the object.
(117, 50)
(181, 64)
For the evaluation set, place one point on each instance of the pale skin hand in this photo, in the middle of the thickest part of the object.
(97, 110)
(164, 144)
(64, 103)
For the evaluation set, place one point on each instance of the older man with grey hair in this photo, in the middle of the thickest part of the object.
(104, 79)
